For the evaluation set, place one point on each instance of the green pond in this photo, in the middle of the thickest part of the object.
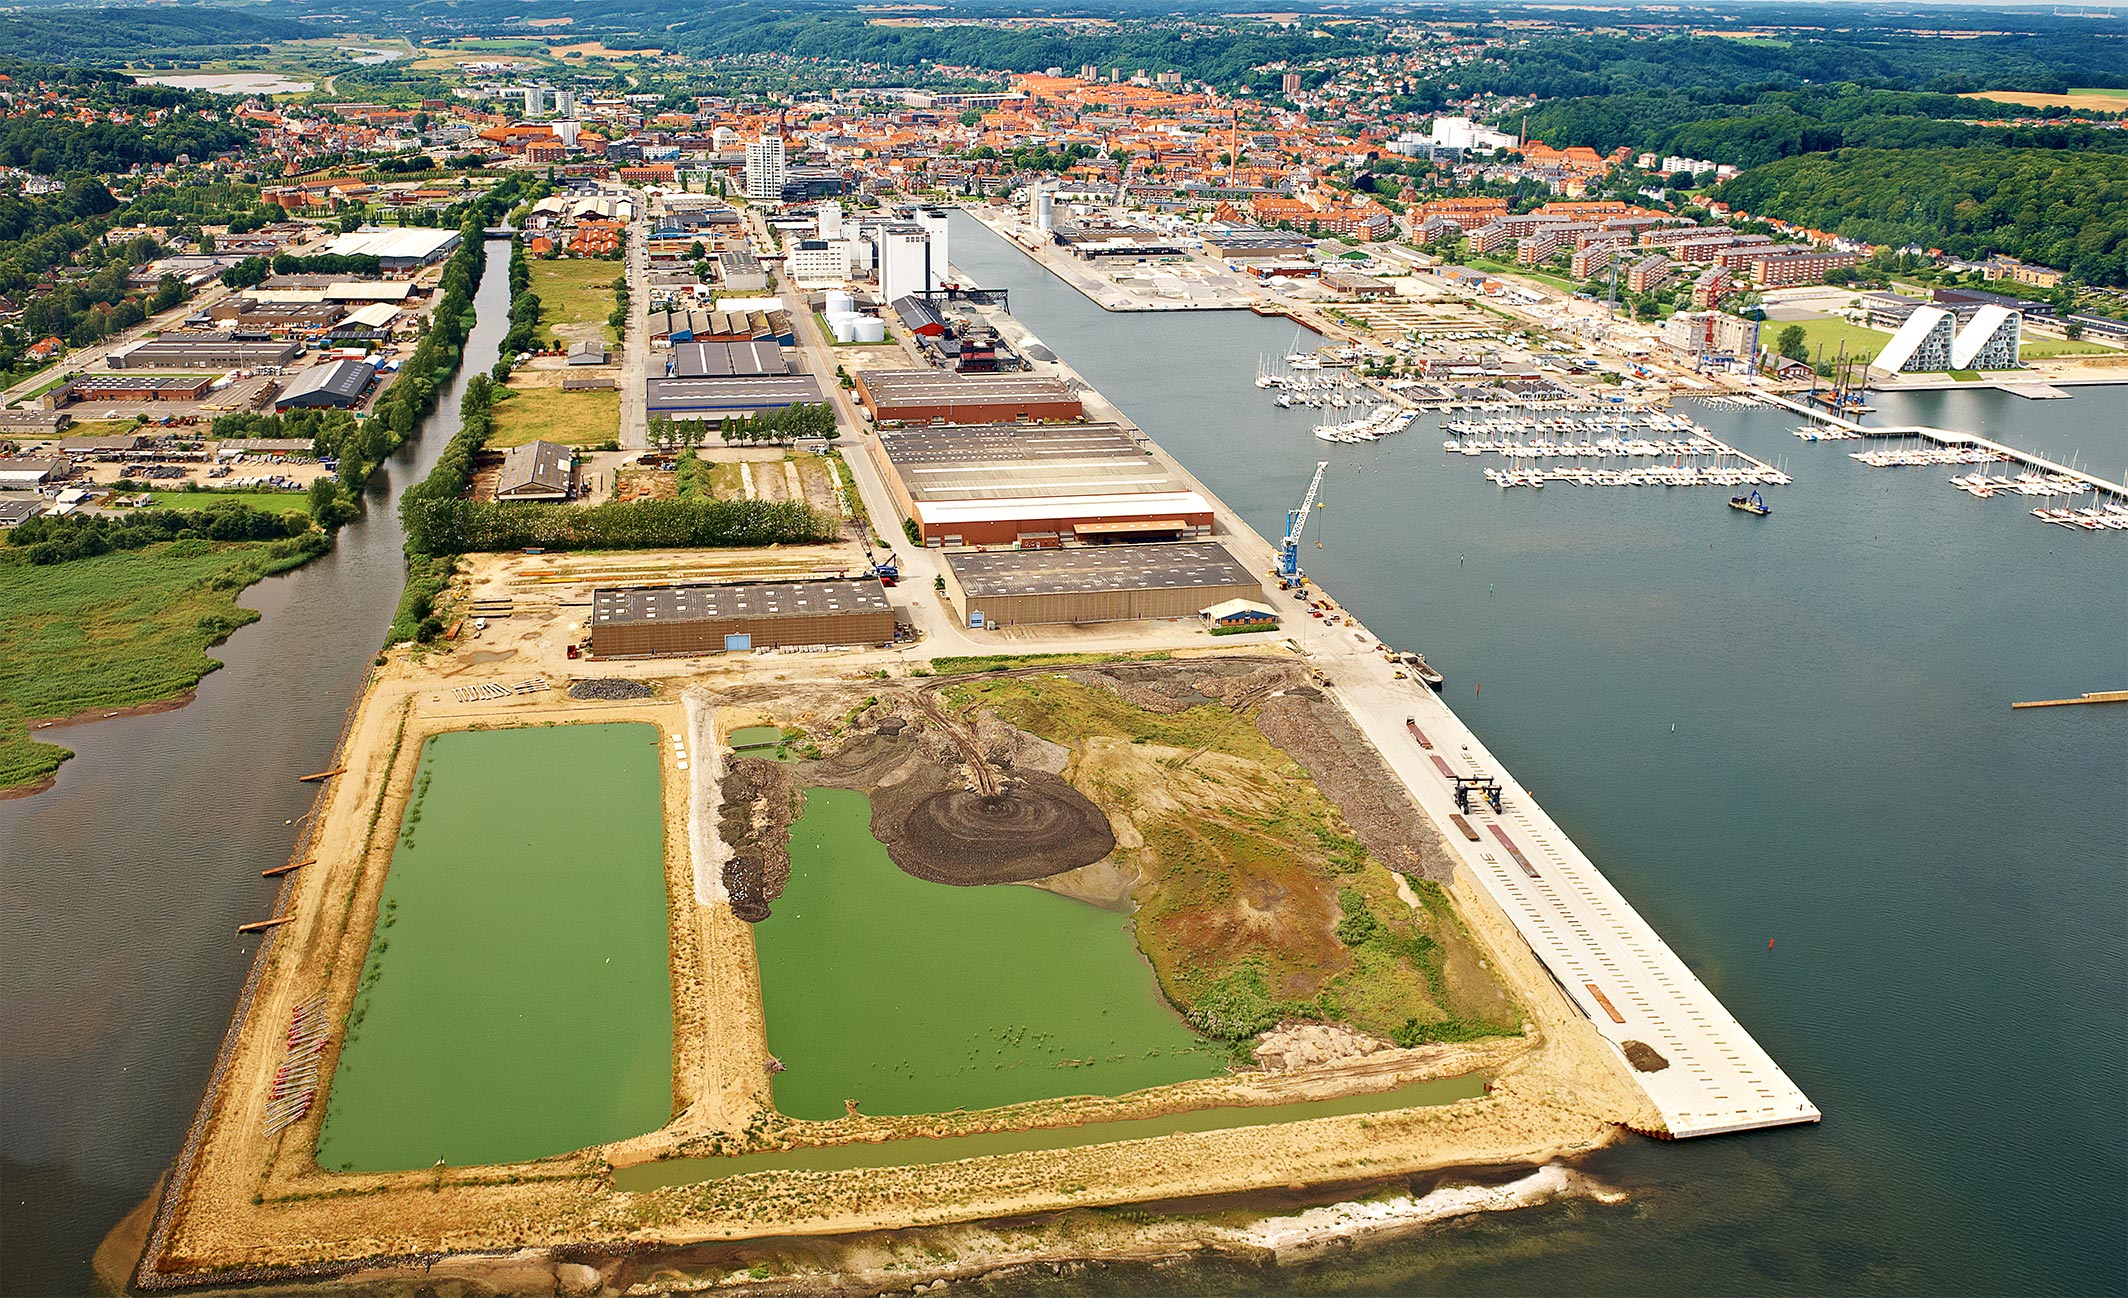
(516, 1000)
(923, 1152)
(770, 742)
(915, 997)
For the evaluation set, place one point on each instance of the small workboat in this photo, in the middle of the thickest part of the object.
(1751, 504)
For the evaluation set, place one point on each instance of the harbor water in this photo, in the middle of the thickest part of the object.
(122, 886)
(1788, 741)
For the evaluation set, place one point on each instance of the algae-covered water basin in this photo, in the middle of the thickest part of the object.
(516, 1000)
(914, 997)
(772, 743)
(946, 1149)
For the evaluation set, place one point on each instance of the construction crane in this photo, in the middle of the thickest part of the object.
(1296, 523)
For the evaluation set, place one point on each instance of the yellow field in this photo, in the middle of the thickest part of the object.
(600, 50)
(576, 297)
(2088, 99)
(570, 418)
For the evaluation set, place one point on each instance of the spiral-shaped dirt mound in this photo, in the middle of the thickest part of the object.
(1038, 826)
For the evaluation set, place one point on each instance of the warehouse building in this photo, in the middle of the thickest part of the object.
(1036, 486)
(716, 360)
(729, 395)
(402, 249)
(1102, 583)
(921, 396)
(337, 385)
(649, 621)
(203, 351)
(536, 471)
(129, 387)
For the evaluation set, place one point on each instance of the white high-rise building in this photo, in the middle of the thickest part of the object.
(565, 103)
(906, 263)
(933, 221)
(766, 169)
(831, 221)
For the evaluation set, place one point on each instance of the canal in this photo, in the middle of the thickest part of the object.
(125, 882)
(1938, 877)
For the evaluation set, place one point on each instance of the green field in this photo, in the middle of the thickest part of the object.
(1494, 266)
(570, 418)
(516, 1001)
(128, 627)
(1828, 333)
(575, 297)
(915, 997)
(2039, 349)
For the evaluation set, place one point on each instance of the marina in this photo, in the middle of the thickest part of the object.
(1641, 435)
(2043, 476)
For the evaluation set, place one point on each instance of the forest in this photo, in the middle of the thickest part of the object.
(2061, 208)
(1748, 131)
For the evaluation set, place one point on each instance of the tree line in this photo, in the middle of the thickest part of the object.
(49, 539)
(2060, 208)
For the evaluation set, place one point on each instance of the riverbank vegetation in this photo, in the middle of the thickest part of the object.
(104, 617)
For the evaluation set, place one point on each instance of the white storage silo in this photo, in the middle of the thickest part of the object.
(870, 329)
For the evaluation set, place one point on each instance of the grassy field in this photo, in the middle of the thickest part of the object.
(1255, 902)
(570, 418)
(1494, 266)
(1828, 332)
(123, 628)
(2039, 349)
(575, 297)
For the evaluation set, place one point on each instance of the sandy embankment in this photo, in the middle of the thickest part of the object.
(246, 1204)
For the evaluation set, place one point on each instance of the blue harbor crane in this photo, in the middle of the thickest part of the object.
(1296, 523)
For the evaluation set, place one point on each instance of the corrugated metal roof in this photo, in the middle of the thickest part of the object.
(1099, 568)
(709, 603)
(340, 381)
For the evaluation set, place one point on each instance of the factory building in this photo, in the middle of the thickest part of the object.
(714, 360)
(202, 351)
(642, 622)
(1102, 583)
(921, 396)
(128, 387)
(337, 386)
(401, 249)
(729, 395)
(1036, 486)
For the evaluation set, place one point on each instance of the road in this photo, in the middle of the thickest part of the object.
(635, 339)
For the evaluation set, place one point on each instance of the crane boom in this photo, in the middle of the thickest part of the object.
(1296, 523)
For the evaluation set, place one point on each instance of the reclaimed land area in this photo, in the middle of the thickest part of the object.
(128, 629)
(1278, 900)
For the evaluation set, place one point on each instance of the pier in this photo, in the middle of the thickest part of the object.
(2097, 696)
(1947, 438)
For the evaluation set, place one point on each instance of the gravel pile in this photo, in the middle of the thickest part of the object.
(608, 689)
